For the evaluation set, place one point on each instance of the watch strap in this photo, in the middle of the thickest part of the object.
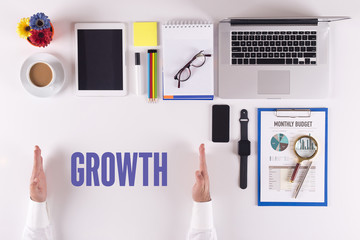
(244, 124)
(244, 136)
(243, 172)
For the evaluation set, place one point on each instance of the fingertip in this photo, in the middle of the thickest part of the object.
(202, 148)
(37, 149)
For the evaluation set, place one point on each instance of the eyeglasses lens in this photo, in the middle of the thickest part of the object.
(184, 75)
(199, 60)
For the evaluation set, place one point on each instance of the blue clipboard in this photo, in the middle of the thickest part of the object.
(268, 203)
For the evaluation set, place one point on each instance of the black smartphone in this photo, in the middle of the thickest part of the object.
(220, 123)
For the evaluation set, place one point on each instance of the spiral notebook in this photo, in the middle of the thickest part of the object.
(181, 42)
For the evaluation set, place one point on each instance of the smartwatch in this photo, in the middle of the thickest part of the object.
(243, 147)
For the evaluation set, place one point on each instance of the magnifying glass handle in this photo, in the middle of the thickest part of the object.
(292, 179)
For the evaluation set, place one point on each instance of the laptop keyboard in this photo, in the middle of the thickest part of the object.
(273, 47)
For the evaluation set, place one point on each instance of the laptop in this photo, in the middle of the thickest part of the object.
(274, 58)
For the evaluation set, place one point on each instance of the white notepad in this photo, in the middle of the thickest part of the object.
(181, 41)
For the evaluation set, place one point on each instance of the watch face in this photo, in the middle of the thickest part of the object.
(244, 147)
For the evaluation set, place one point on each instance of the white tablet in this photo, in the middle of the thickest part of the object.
(100, 66)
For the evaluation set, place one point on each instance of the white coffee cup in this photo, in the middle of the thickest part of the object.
(41, 75)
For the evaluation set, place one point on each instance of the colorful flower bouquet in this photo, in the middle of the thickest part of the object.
(37, 29)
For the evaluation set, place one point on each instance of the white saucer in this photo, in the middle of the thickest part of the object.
(57, 82)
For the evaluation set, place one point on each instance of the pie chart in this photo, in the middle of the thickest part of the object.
(279, 142)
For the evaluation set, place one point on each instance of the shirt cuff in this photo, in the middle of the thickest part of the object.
(37, 215)
(202, 216)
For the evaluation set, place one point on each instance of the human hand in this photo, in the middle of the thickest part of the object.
(38, 179)
(201, 188)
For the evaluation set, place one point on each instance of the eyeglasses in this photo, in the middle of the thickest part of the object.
(197, 61)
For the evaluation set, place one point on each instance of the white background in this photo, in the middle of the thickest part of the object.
(65, 124)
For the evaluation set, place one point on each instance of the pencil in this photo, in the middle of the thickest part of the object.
(152, 75)
(148, 65)
(156, 75)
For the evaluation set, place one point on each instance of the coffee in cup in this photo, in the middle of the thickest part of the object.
(41, 74)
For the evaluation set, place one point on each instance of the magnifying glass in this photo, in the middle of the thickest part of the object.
(305, 148)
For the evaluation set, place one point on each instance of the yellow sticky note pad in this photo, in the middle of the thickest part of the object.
(145, 34)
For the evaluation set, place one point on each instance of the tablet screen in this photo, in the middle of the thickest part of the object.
(100, 59)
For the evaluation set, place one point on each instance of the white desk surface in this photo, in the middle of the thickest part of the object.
(65, 124)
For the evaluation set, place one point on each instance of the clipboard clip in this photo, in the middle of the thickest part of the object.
(293, 113)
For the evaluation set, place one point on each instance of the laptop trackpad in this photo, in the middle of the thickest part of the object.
(273, 82)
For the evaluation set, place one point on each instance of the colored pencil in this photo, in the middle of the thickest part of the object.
(148, 70)
(152, 75)
(156, 75)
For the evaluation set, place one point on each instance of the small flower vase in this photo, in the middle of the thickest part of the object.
(52, 30)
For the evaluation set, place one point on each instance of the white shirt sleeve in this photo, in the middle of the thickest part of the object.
(202, 223)
(37, 223)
